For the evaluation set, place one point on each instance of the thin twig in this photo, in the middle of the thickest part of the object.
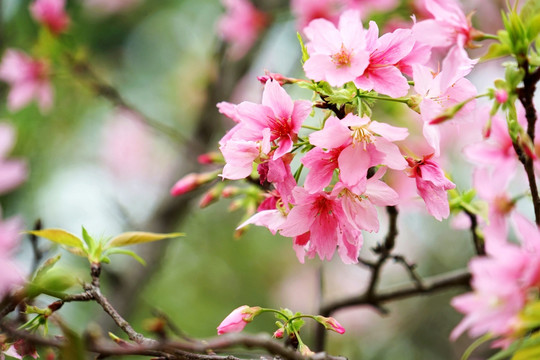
(478, 242)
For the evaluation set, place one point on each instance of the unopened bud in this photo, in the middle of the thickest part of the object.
(448, 113)
(414, 102)
(276, 77)
(330, 324)
(191, 182)
(501, 95)
(278, 334)
(211, 196)
(230, 191)
(213, 157)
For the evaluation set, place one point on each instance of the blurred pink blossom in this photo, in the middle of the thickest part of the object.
(28, 78)
(12, 172)
(10, 274)
(307, 10)
(240, 26)
(51, 13)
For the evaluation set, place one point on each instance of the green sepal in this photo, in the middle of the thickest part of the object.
(46, 266)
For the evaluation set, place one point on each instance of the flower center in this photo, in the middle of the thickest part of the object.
(361, 134)
(343, 57)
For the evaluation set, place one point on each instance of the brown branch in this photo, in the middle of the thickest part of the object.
(478, 242)
(526, 95)
(433, 284)
(176, 349)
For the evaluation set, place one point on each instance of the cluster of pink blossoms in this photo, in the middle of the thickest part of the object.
(347, 157)
(503, 283)
(29, 78)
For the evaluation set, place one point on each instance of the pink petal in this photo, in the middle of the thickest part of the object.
(333, 135)
(275, 97)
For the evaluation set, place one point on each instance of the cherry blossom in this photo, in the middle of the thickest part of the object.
(275, 122)
(237, 319)
(431, 185)
(337, 55)
(240, 26)
(28, 78)
(12, 172)
(51, 13)
(10, 274)
(383, 74)
(307, 10)
(319, 225)
(448, 27)
(501, 283)
(365, 143)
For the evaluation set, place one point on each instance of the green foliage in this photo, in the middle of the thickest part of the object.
(99, 251)
(305, 54)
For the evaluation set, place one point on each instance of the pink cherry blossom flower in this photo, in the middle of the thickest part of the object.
(10, 274)
(12, 172)
(366, 6)
(330, 324)
(491, 187)
(365, 143)
(28, 78)
(442, 91)
(237, 319)
(359, 205)
(496, 151)
(51, 13)
(319, 225)
(307, 10)
(449, 26)
(501, 283)
(431, 185)
(383, 74)
(275, 122)
(337, 55)
(241, 26)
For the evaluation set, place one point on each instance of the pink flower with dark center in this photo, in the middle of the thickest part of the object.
(337, 55)
(240, 26)
(449, 26)
(275, 122)
(12, 172)
(28, 78)
(51, 13)
(365, 143)
(382, 74)
(319, 225)
(431, 184)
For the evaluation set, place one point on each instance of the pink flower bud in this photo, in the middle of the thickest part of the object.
(210, 158)
(238, 319)
(278, 334)
(330, 324)
(186, 184)
(51, 13)
(501, 96)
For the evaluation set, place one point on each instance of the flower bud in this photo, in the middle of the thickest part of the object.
(330, 324)
(192, 181)
(278, 334)
(212, 157)
(238, 319)
(501, 96)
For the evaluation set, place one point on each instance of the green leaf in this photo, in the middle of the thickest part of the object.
(305, 54)
(56, 280)
(59, 236)
(74, 346)
(138, 237)
(124, 252)
(496, 50)
(46, 266)
(88, 239)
